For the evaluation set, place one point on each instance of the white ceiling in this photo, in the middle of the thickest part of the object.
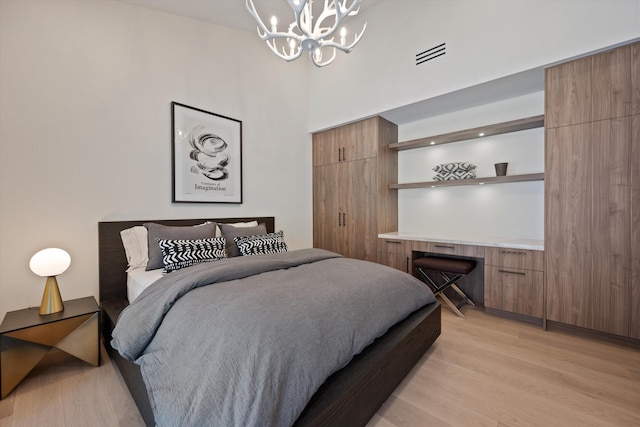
(230, 13)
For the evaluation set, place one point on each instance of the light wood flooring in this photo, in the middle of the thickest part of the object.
(482, 371)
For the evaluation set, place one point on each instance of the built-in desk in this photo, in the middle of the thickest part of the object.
(508, 278)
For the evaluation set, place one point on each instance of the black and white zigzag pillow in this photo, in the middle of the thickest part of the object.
(454, 167)
(260, 245)
(177, 254)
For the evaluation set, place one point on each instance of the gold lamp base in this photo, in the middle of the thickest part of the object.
(51, 299)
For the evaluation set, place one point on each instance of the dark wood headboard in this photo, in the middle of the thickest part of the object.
(112, 260)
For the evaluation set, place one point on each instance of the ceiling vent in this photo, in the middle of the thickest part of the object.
(430, 54)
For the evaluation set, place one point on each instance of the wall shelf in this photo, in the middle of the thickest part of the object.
(472, 181)
(479, 132)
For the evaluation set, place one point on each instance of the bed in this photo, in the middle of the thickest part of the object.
(350, 396)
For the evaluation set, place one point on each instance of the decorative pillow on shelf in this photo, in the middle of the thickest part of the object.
(261, 245)
(451, 176)
(177, 254)
(159, 231)
(230, 232)
(136, 247)
(454, 167)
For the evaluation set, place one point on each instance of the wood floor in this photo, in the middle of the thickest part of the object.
(482, 371)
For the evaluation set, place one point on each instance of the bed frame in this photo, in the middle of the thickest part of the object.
(350, 396)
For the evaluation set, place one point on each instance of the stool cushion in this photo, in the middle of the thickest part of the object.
(447, 265)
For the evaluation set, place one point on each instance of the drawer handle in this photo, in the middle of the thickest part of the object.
(513, 272)
(445, 246)
(513, 252)
(394, 242)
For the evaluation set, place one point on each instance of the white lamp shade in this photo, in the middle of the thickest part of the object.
(50, 262)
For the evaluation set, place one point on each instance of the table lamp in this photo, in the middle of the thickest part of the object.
(49, 263)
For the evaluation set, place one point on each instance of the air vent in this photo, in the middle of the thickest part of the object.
(430, 54)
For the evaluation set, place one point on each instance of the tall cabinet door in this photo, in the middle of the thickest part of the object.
(611, 225)
(359, 208)
(567, 219)
(635, 220)
(327, 201)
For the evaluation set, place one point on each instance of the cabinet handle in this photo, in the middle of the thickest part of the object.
(344, 219)
(445, 246)
(513, 272)
(343, 154)
(513, 252)
(339, 220)
(394, 242)
(339, 155)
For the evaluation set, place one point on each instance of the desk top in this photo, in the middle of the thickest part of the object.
(498, 242)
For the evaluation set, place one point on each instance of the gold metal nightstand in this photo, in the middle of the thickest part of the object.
(26, 337)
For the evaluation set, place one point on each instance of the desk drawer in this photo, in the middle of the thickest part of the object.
(514, 290)
(515, 258)
(448, 249)
(391, 252)
(392, 246)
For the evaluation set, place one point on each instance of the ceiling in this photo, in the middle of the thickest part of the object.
(230, 13)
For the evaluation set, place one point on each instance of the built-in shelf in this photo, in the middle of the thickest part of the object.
(479, 132)
(472, 181)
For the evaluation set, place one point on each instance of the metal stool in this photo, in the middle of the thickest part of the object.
(451, 270)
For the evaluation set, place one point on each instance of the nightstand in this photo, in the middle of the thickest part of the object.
(26, 337)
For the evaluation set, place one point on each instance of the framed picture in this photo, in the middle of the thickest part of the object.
(206, 151)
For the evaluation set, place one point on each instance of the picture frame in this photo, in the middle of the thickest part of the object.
(206, 155)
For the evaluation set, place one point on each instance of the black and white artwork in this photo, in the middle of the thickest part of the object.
(207, 156)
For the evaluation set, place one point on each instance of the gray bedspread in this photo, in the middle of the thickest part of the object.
(247, 341)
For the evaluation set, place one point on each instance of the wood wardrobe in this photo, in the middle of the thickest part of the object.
(352, 169)
(592, 192)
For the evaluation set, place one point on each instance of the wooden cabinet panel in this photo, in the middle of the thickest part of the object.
(360, 139)
(611, 79)
(326, 148)
(358, 183)
(635, 78)
(568, 94)
(346, 143)
(514, 290)
(515, 258)
(394, 254)
(611, 225)
(568, 175)
(327, 232)
(634, 331)
(448, 249)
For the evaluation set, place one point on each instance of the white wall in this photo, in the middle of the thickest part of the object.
(496, 210)
(485, 40)
(85, 92)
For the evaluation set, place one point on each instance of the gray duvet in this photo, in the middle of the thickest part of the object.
(247, 341)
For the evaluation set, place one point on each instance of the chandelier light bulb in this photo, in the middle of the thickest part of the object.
(274, 23)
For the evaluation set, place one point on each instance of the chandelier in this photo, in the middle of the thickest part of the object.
(303, 35)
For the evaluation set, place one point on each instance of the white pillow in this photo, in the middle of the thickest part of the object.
(237, 224)
(136, 248)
